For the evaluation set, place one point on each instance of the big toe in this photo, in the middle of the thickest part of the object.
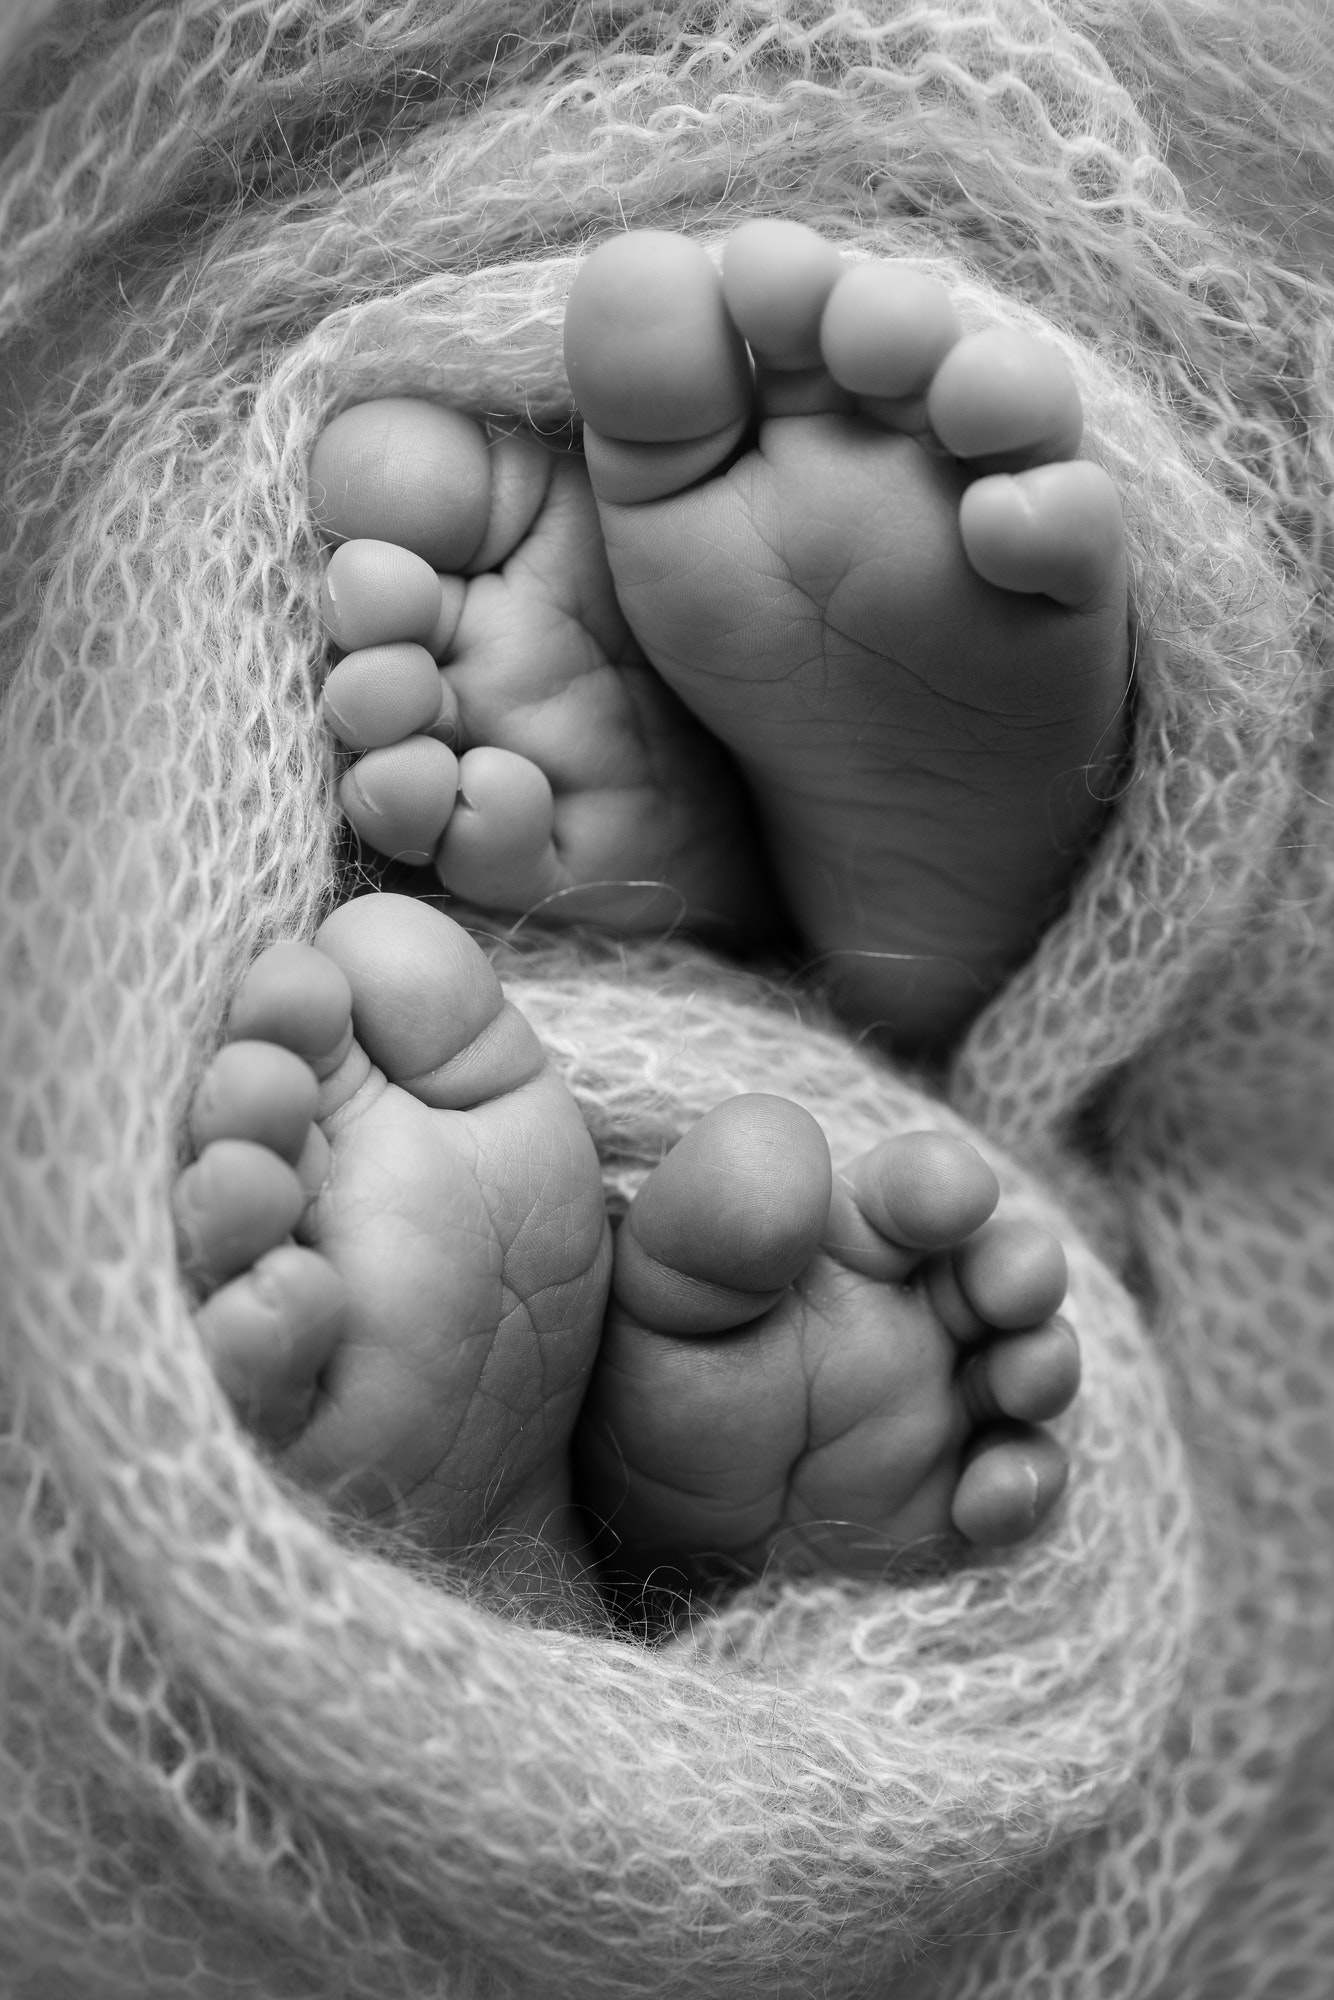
(403, 471)
(727, 1220)
(1003, 398)
(659, 369)
(427, 1006)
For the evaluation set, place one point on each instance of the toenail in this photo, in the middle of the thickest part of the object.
(1003, 1493)
(364, 792)
(266, 1290)
(400, 799)
(1019, 495)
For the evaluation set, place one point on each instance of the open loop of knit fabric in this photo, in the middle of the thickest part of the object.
(241, 1756)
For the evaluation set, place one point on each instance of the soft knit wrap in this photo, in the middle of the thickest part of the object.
(241, 1753)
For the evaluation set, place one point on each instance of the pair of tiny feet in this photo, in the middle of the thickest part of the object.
(827, 618)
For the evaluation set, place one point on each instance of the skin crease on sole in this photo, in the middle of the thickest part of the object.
(856, 546)
(398, 1219)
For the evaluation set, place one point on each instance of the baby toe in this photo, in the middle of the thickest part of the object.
(498, 850)
(1009, 1486)
(375, 593)
(777, 278)
(257, 1091)
(1009, 1275)
(1054, 531)
(381, 694)
(269, 1334)
(914, 1193)
(399, 799)
(885, 332)
(296, 997)
(1030, 1377)
(404, 471)
(235, 1202)
(728, 1219)
(1003, 399)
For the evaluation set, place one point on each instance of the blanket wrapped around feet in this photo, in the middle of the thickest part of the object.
(242, 1755)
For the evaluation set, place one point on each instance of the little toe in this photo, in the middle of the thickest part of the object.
(884, 334)
(1028, 1377)
(381, 694)
(497, 850)
(257, 1091)
(270, 1332)
(235, 1201)
(427, 1004)
(729, 1218)
(1012, 1480)
(375, 593)
(404, 471)
(911, 1194)
(777, 278)
(1008, 1276)
(1054, 531)
(659, 370)
(1002, 399)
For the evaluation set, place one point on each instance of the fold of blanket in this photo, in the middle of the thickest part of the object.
(242, 1755)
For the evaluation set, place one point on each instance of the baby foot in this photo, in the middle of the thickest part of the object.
(420, 1350)
(543, 766)
(857, 543)
(823, 1368)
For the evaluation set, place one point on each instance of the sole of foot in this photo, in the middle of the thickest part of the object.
(858, 543)
(821, 1369)
(509, 731)
(397, 1218)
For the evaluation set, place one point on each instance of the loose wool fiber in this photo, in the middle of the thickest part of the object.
(244, 1753)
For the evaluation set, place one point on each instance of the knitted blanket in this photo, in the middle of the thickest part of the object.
(242, 1753)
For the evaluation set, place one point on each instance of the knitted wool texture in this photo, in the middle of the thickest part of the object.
(239, 1755)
